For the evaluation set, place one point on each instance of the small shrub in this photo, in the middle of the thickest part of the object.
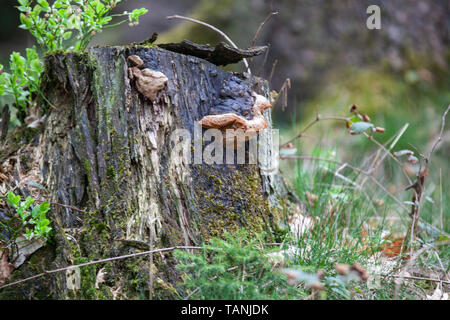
(29, 221)
(233, 268)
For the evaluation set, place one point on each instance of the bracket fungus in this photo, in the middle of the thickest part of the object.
(148, 82)
(232, 124)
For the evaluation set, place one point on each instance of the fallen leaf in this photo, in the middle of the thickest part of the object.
(438, 294)
(362, 272)
(311, 197)
(100, 277)
(342, 268)
(6, 268)
(392, 247)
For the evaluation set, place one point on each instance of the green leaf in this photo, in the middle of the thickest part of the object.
(99, 7)
(136, 13)
(28, 234)
(44, 207)
(44, 222)
(67, 35)
(24, 8)
(37, 10)
(35, 212)
(28, 202)
(104, 20)
(57, 4)
(43, 3)
(13, 199)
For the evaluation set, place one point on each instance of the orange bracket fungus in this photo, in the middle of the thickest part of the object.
(233, 121)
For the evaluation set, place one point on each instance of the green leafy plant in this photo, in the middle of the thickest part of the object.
(233, 268)
(62, 25)
(71, 24)
(29, 221)
(24, 77)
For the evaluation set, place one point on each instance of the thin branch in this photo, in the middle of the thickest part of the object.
(61, 205)
(272, 71)
(262, 25)
(98, 261)
(389, 193)
(388, 153)
(264, 61)
(419, 189)
(415, 278)
(317, 119)
(441, 220)
(283, 93)
(439, 138)
(212, 28)
(150, 270)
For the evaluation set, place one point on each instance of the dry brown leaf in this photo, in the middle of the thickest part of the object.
(393, 246)
(6, 268)
(363, 274)
(312, 198)
(342, 268)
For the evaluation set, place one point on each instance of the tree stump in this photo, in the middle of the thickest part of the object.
(106, 150)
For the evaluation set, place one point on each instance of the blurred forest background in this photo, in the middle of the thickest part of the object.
(398, 74)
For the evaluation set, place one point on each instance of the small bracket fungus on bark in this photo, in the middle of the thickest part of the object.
(148, 82)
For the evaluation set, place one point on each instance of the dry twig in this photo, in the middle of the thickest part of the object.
(98, 261)
(283, 93)
(272, 13)
(415, 278)
(419, 186)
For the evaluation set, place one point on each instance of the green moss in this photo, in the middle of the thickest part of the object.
(111, 172)
(246, 207)
(35, 289)
(100, 227)
(87, 167)
(88, 275)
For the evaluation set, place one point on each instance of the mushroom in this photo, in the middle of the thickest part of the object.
(136, 61)
(233, 121)
(148, 82)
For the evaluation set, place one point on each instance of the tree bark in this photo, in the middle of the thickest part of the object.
(106, 150)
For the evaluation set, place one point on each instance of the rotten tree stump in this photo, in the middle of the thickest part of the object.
(107, 151)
